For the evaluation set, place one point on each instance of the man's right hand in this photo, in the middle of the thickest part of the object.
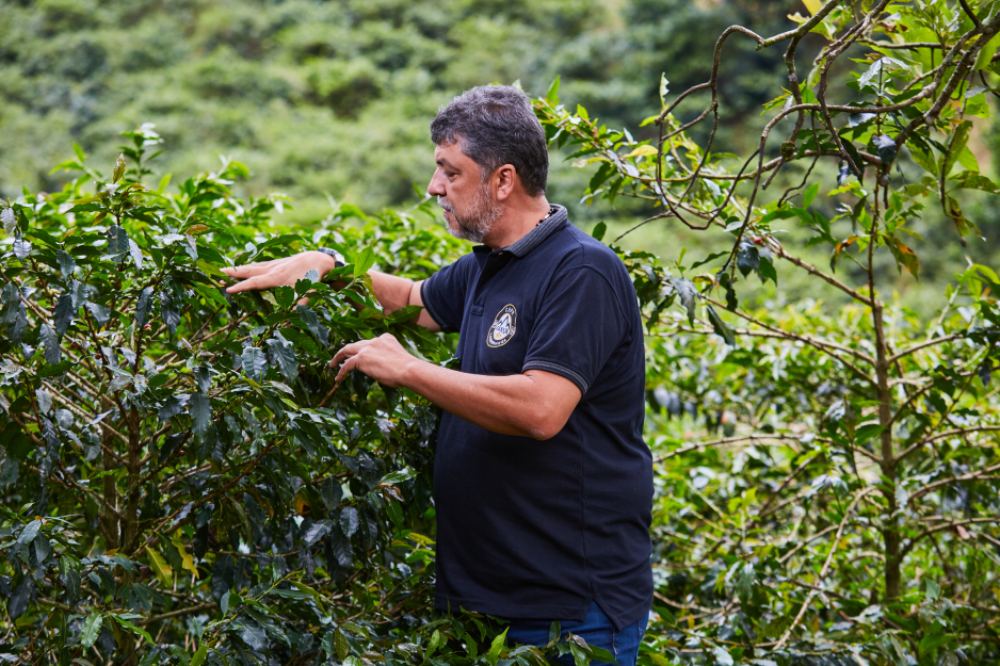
(278, 272)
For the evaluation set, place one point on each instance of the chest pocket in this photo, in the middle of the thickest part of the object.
(503, 339)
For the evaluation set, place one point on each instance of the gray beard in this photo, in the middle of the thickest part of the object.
(478, 223)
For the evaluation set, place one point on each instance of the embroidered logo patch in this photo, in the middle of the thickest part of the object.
(503, 328)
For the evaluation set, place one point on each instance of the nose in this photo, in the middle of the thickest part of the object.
(435, 188)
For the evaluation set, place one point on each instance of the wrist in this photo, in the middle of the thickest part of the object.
(331, 260)
(410, 373)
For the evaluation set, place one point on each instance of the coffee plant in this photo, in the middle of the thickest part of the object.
(828, 468)
(181, 481)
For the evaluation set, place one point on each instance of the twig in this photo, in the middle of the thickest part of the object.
(824, 570)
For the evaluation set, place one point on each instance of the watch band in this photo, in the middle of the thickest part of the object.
(338, 258)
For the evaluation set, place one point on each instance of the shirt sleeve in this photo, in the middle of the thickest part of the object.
(580, 324)
(443, 293)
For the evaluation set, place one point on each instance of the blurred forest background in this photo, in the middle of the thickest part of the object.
(331, 100)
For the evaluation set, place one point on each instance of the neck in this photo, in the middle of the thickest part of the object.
(516, 222)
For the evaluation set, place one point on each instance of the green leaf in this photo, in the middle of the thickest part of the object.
(142, 307)
(201, 412)
(22, 248)
(493, 655)
(66, 263)
(958, 142)
(552, 95)
(720, 327)
(809, 195)
(200, 655)
(8, 219)
(254, 362)
(91, 630)
(135, 253)
(904, 255)
(363, 262)
(118, 243)
(254, 636)
(283, 356)
(747, 258)
(349, 521)
(134, 628)
(164, 571)
(886, 148)
(867, 432)
(317, 531)
(284, 296)
(29, 533)
(722, 657)
(50, 344)
(687, 294)
(766, 270)
(599, 230)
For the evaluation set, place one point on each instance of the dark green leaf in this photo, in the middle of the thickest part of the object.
(886, 148)
(720, 327)
(317, 531)
(254, 362)
(142, 306)
(856, 119)
(349, 521)
(747, 258)
(168, 310)
(201, 412)
(312, 322)
(22, 596)
(254, 636)
(283, 356)
(98, 312)
(8, 219)
(22, 248)
(50, 344)
(135, 253)
(64, 314)
(957, 143)
(66, 263)
(687, 293)
(118, 246)
(599, 230)
(29, 533)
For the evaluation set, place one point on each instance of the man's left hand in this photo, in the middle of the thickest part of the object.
(382, 358)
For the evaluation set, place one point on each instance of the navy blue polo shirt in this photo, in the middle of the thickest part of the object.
(533, 529)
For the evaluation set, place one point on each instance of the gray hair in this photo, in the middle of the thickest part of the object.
(495, 125)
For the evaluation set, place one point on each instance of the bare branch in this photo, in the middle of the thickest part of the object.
(826, 567)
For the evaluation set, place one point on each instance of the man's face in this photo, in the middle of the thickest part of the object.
(469, 206)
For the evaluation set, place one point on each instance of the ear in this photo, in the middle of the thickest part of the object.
(506, 179)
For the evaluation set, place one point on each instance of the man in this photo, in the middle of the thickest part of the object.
(542, 481)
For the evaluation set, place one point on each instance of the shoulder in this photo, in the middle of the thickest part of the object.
(583, 252)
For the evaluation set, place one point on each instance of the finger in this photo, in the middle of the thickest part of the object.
(346, 368)
(247, 270)
(346, 352)
(255, 283)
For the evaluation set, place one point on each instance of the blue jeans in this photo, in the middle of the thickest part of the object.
(595, 628)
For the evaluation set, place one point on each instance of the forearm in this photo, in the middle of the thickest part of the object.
(391, 291)
(532, 404)
(397, 292)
